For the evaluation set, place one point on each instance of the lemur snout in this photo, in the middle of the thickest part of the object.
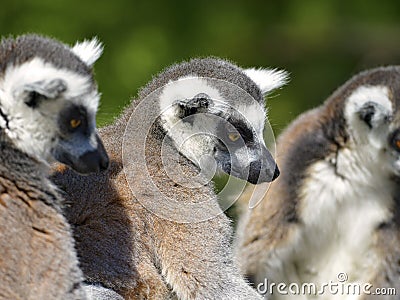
(259, 173)
(95, 161)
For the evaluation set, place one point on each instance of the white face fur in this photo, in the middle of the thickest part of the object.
(369, 114)
(35, 130)
(196, 137)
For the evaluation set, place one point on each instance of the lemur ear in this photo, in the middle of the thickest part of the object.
(373, 114)
(88, 51)
(35, 92)
(267, 79)
(198, 104)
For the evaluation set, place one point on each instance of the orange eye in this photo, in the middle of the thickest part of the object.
(397, 143)
(74, 123)
(233, 136)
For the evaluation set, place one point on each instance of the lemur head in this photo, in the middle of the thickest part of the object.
(214, 112)
(49, 99)
(372, 114)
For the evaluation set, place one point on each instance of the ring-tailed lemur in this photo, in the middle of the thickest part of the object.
(333, 215)
(48, 102)
(202, 108)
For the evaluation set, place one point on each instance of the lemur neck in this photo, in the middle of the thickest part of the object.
(199, 154)
(362, 166)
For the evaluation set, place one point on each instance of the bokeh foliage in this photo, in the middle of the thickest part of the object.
(320, 42)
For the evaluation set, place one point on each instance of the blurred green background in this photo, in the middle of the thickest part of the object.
(321, 43)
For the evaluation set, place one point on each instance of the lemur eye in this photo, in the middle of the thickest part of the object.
(397, 143)
(74, 123)
(394, 140)
(233, 136)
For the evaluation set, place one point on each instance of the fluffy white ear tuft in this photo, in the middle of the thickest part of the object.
(88, 51)
(268, 79)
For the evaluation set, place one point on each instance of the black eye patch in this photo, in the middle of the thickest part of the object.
(224, 130)
(73, 119)
(244, 130)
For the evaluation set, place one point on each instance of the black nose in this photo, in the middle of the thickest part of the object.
(276, 173)
(94, 161)
(259, 173)
(105, 162)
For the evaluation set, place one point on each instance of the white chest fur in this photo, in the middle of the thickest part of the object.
(341, 206)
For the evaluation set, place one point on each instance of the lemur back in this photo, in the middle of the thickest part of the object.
(38, 256)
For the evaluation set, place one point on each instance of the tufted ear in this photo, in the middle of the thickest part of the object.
(198, 104)
(267, 79)
(88, 51)
(33, 93)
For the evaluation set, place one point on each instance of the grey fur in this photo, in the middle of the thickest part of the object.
(123, 246)
(38, 255)
(97, 292)
(209, 68)
(24, 48)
